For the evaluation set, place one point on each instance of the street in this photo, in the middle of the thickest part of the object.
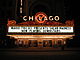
(40, 55)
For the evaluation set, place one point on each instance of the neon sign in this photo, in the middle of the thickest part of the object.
(41, 17)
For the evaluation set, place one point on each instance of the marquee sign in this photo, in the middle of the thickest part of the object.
(41, 17)
(40, 23)
(24, 29)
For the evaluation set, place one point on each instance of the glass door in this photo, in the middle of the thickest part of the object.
(47, 43)
(33, 43)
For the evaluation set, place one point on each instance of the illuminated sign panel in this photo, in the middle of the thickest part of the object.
(41, 17)
(41, 24)
(24, 29)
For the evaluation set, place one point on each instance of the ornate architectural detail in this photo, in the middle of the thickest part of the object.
(11, 22)
(52, 23)
(70, 22)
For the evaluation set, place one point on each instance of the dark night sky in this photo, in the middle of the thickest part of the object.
(72, 7)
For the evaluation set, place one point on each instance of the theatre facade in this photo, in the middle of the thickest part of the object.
(38, 26)
(46, 34)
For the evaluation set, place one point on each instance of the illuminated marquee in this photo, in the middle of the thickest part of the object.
(40, 24)
(19, 29)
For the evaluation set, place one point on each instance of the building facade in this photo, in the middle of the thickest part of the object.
(40, 24)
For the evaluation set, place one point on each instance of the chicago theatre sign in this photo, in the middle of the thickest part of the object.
(41, 30)
(41, 17)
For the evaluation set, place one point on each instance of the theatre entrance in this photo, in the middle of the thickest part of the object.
(43, 43)
(47, 43)
(39, 43)
(33, 43)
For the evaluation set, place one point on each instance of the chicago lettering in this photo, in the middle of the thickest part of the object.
(32, 18)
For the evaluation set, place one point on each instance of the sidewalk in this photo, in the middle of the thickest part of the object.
(37, 49)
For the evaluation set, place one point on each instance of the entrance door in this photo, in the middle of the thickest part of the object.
(47, 43)
(33, 43)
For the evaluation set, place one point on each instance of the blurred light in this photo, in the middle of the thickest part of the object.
(20, 9)
(64, 42)
(42, 36)
(21, 2)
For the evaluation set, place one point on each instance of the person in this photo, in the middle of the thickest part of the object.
(20, 43)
